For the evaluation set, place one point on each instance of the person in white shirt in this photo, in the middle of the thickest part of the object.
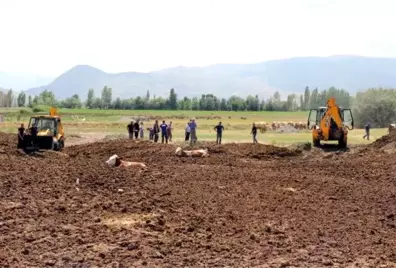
(188, 130)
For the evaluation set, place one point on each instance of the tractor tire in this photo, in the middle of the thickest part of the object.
(54, 146)
(60, 145)
(316, 143)
(341, 143)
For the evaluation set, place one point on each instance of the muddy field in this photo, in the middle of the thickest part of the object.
(243, 206)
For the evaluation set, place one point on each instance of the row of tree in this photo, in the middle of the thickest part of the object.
(377, 106)
(208, 102)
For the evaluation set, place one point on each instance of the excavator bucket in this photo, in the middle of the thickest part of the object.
(331, 102)
(53, 111)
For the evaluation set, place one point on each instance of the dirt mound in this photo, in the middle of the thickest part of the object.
(8, 141)
(384, 141)
(259, 151)
(71, 209)
(124, 146)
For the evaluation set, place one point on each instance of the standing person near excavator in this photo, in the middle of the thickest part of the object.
(33, 132)
(21, 133)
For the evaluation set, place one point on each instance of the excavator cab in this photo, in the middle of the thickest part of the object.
(44, 132)
(330, 123)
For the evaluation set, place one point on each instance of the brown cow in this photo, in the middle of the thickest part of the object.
(115, 161)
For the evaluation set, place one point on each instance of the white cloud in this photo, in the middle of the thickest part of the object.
(46, 37)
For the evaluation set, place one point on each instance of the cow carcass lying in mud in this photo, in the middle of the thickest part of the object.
(192, 153)
(115, 161)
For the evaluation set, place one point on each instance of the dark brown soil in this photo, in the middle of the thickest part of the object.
(384, 140)
(231, 209)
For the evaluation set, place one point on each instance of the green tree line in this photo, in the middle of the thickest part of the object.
(207, 102)
(376, 105)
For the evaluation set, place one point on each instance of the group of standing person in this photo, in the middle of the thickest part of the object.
(134, 129)
(166, 131)
(220, 128)
(191, 131)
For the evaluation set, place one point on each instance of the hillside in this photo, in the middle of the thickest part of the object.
(353, 73)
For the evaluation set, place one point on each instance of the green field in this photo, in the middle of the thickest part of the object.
(100, 123)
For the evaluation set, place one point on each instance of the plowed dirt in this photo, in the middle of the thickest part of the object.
(384, 140)
(231, 209)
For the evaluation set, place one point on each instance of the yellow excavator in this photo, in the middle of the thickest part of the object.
(330, 123)
(45, 132)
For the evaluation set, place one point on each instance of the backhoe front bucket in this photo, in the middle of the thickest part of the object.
(40, 142)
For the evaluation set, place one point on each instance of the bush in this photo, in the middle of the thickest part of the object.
(23, 112)
(377, 106)
(40, 108)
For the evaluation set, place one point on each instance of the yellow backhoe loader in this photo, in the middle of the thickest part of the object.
(45, 132)
(330, 123)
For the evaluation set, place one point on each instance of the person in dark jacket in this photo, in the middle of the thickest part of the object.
(21, 134)
(33, 132)
(254, 133)
(164, 131)
(130, 130)
(156, 130)
(367, 128)
(151, 133)
(219, 130)
(136, 128)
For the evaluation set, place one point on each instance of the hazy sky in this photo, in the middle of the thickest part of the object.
(47, 37)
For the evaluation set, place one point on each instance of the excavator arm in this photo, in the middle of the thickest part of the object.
(332, 116)
(331, 124)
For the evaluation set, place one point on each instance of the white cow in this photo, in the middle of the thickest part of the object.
(115, 161)
(192, 153)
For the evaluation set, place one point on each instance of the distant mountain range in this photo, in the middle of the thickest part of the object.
(353, 73)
